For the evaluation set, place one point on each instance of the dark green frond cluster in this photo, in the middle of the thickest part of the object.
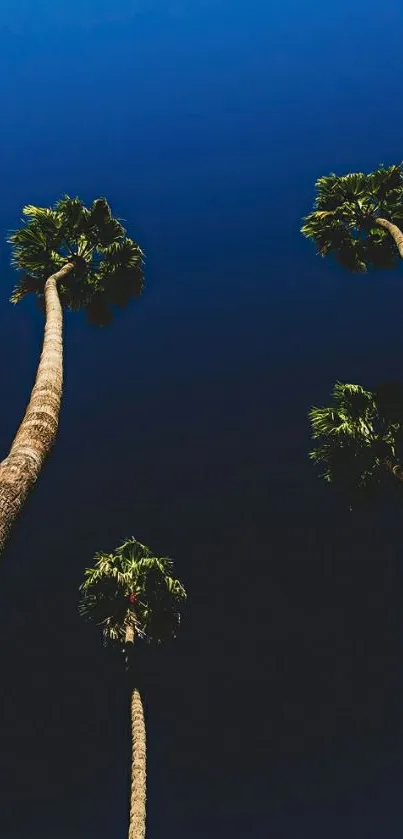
(343, 219)
(132, 571)
(360, 436)
(108, 265)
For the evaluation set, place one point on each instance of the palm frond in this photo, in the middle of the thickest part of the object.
(105, 228)
(386, 183)
(26, 285)
(33, 251)
(350, 255)
(379, 250)
(74, 216)
(122, 253)
(48, 220)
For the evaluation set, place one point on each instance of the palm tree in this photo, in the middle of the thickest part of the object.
(75, 257)
(132, 596)
(358, 217)
(360, 439)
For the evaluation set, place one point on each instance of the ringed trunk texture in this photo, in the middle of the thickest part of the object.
(37, 432)
(130, 633)
(394, 231)
(137, 827)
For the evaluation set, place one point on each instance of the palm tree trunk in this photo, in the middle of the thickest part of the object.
(396, 469)
(137, 827)
(37, 432)
(130, 633)
(394, 231)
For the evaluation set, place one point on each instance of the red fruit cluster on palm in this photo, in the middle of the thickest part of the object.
(132, 599)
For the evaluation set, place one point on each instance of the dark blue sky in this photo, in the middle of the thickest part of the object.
(205, 123)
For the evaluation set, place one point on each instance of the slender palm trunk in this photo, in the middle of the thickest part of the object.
(395, 468)
(130, 633)
(394, 231)
(37, 432)
(137, 826)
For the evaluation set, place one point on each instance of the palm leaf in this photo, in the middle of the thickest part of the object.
(74, 216)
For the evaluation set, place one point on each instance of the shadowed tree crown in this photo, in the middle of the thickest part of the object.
(360, 439)
(107, 263)
(357, 218)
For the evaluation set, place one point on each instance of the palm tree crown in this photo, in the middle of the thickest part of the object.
(360, 438)
(132, 589)
(345, 217)
(107, 263)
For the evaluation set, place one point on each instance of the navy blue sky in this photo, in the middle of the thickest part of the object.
(205, 123)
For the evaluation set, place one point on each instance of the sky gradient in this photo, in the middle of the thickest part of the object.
(278, 711)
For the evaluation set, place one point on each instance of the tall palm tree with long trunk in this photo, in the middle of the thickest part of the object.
(358, 218)
(75, 257)
(132, 596)
(359, 440)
